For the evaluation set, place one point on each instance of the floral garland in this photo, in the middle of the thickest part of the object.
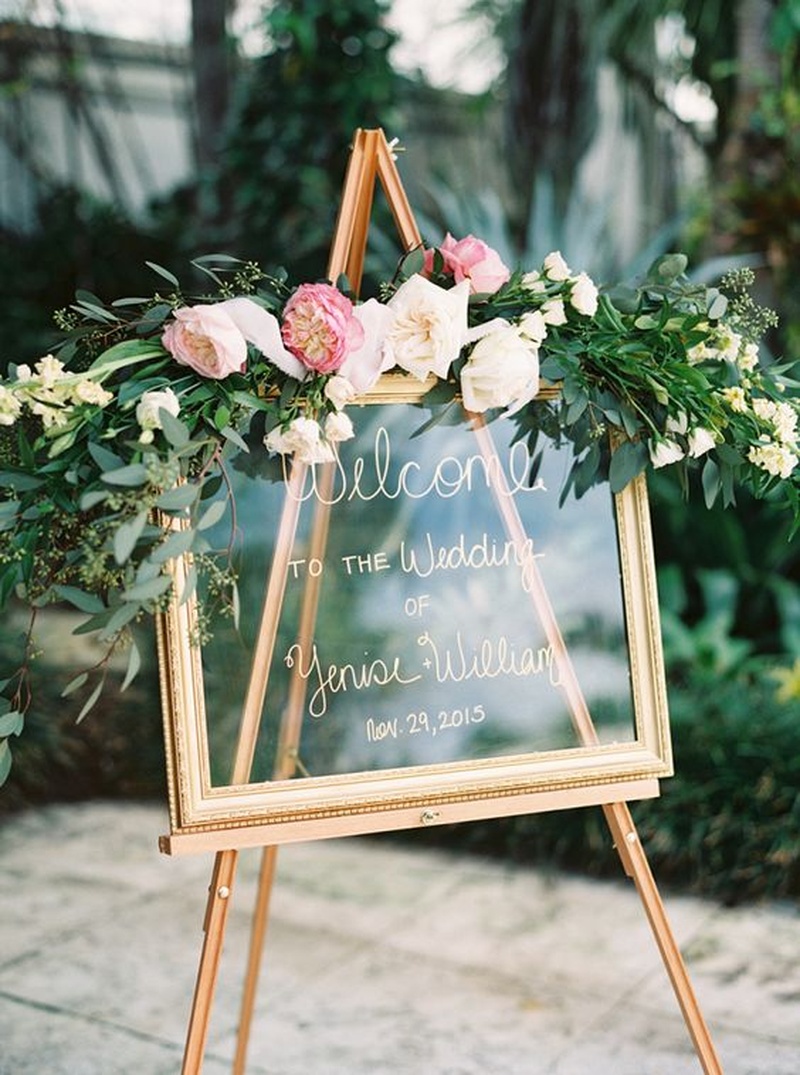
(145, 401)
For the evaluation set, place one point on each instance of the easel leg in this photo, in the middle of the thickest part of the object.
(219, 895)
(636, 866)
(258, 932)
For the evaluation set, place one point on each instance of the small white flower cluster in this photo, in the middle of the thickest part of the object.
(722, 344)
(309, 441)
(49, 392)
(693, 442)
(777, 449)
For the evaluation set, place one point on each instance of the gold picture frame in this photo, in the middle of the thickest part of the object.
(246, 809)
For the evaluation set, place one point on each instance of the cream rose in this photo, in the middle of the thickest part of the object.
(555, 268)
(583, 296)
(700, 441)
(665, 452)
(502, 371)
(149, 407)
(429, 327)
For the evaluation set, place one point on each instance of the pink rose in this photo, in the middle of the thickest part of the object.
(205, 338)
(471, 259)
(319, 327)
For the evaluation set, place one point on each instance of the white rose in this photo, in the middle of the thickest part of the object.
(678, 423)
(338, 427)
(584, 295)
(152, 403)
(532, 281)
(533, 325)
(502, 371)
(429, 327)
(555, 268)
(339, 391)
(553, 312)
(665, 452)
(700, 441)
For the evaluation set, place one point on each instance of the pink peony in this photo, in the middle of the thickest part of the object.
(470, 259)
(320, 328)
(205, 338)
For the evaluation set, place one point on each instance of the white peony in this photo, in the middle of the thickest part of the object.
(429, 327)
(502, 371)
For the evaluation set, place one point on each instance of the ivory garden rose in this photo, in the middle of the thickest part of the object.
(206, 339)
(502, 371)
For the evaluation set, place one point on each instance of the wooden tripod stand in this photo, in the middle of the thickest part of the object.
(371, 159)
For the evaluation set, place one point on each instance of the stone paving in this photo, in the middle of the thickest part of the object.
(380, 960)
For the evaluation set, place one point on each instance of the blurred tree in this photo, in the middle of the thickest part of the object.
(273, 189)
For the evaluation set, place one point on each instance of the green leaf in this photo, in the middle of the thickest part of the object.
(92, 499)
(132, 475)
(174, 429)
(170, 277)
(147, 591)
(75, 684)
(189, 586)
(127, 353)
(212, 514)
(104, 457)
(19, 480)
(413, 262)
(126, 536)
(629, 460)
(90, 702)
(231, 435)
(182, 496)
(121, 616)
(712, 482)
(86, 602)
(175, 545)
(5, 760)
(222, 416)
(11, 723)
(134, 665)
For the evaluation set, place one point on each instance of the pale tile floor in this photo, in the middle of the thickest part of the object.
(379, 961)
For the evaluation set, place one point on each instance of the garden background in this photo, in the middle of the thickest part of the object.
(612, 130)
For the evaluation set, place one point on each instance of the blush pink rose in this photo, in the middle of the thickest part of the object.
(470, 259)
(320, 328)
(205, 338)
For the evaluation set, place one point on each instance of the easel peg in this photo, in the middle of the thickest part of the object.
(223, 892)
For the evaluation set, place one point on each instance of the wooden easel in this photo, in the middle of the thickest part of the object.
(371, 158)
